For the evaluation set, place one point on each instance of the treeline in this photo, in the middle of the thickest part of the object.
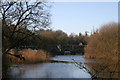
(104, 42)
(50, 37)
(10, 40)
(23, 24)
(41, 39)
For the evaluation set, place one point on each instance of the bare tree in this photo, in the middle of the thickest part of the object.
(17, 16)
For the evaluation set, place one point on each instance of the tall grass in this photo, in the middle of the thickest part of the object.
(104, 43)
(31, 56)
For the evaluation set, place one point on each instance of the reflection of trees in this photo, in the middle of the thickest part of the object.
(100, 70)
(104, 70)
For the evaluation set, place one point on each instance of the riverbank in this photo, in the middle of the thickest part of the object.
(101, 57)
(28, 56)
(61, 67)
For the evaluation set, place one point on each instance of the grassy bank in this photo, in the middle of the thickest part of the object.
(103, 43)
(30, 56)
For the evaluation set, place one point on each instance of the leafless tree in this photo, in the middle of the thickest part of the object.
(18, 15)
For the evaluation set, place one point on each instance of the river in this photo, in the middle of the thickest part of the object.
(51, 69)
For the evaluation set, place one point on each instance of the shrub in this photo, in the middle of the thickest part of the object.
(31, 56)
(104, 43)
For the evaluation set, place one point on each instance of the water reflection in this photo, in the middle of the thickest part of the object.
(104, 70)
(48, 70)
(63, 70)
(68, 58)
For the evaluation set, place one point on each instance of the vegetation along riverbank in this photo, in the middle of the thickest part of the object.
(103, 43)
(26, 56)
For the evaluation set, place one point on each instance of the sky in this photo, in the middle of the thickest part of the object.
(76, 17)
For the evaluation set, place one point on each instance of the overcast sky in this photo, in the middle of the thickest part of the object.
(75, 17)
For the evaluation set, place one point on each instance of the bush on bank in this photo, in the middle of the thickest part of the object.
(103, 43)
(31, 56)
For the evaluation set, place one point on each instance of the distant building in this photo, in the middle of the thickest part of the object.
(73, 48)
(60, 49)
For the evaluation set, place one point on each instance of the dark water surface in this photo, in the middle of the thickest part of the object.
(50, 70)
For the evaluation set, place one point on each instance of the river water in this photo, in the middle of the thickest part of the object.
(51, 69)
